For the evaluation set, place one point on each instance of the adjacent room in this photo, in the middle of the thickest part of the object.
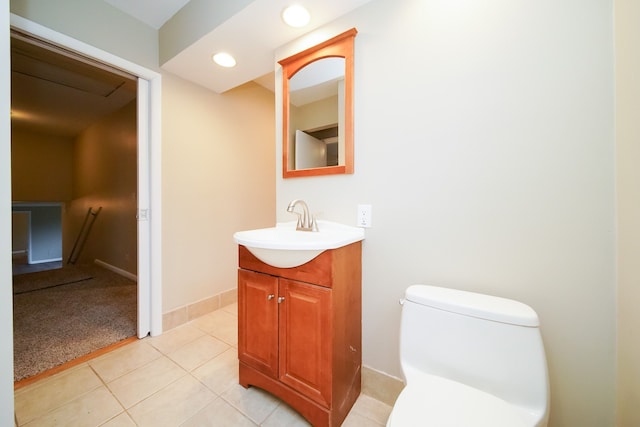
(74, 200)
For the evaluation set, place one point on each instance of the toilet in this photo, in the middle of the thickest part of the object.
(470, 360)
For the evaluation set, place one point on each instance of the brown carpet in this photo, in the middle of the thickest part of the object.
(82, 309)
(30, 282)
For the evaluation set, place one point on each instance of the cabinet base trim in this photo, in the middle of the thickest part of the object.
(311, 411)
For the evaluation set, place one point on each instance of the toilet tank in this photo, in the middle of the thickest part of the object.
(489, 343)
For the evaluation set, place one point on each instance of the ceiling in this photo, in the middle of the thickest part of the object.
(152, 12)
(252, 36)
(62, 95)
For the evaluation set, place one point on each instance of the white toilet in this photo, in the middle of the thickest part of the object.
(470, 360)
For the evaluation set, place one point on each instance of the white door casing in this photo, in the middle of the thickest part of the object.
(6, 297)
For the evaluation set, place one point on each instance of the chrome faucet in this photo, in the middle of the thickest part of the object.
(306, 222)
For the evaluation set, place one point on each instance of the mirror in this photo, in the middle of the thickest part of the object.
(317, 109)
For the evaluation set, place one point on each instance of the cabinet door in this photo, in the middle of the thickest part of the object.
(258, 321)
(305, 339)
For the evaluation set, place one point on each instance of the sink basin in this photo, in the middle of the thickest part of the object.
(284, 247)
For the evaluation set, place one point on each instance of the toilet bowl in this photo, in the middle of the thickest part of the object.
(470, 360)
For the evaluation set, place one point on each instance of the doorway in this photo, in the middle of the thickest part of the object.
(73, 140)
(149, 170)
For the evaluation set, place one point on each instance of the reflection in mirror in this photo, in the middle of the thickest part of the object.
(316, 116)
(318, 109)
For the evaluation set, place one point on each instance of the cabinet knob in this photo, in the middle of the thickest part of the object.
(280, 299)
(270, 297)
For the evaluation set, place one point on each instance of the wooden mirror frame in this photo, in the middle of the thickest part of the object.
(338, 46)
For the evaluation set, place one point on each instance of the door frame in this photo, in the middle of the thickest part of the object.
(149, 169)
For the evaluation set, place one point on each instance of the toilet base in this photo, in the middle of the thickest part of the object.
(437, 401)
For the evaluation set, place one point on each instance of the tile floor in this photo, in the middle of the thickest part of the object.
(186, 377)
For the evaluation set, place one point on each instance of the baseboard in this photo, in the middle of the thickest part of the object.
(184, 314)
(381, 386)
(116, 270)
(42, 261)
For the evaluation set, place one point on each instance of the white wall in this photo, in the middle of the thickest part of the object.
(627, 34)
(484, 141)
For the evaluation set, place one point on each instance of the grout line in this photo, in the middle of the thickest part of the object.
(106, 386)
(214, 393)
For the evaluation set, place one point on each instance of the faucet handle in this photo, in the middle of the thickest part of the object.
(299, 222)
(314, 223)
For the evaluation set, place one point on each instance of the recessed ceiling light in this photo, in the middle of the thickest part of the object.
(223, 59)
(296, 16)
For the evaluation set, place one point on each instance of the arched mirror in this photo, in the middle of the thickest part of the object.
(317, 109)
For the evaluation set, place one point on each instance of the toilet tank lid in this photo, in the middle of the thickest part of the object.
(473, 304)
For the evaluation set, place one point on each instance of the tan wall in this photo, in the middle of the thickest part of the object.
(627, 35)
(218, 177)
(316, 114)
(105, 175)
(40, 167)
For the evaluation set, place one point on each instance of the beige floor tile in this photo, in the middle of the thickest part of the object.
(284, 416)
(220, 324)
(143, 382)
(197, 352)
(150, 377)
(46, 395)
(173, 405)
(219, 414)
(124, 360)
(231, 308)
(122, 420)
(220, 373)
(357, 420)
(90, 409)
(372, 409)
(175, 338)
(255, 403)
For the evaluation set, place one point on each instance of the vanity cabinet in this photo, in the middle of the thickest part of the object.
(299, 331)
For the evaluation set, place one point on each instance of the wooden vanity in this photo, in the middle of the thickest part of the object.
(300, 332)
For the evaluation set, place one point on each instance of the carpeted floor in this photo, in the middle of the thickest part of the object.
(31, 282)
(77, 310)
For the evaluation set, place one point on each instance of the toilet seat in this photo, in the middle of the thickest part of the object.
(432, 401)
